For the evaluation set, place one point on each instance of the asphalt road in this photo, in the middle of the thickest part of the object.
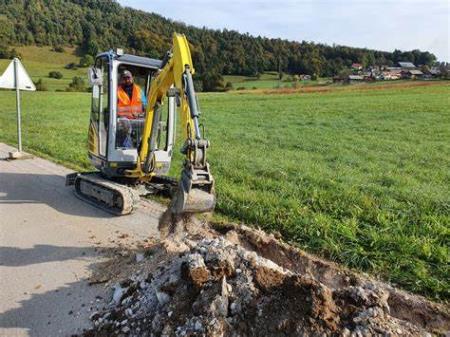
(47, 249)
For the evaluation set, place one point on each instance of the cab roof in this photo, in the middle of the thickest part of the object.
(139, 60)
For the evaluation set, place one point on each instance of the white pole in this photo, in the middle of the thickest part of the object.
(16, 79)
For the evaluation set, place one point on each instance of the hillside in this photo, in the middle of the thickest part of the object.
(91, 26)
(40, 61)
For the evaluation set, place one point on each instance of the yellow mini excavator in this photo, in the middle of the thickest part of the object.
(133, 153)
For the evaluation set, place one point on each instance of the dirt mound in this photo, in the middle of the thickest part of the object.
(235, 281)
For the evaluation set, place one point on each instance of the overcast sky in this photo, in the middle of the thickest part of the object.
(384, 25)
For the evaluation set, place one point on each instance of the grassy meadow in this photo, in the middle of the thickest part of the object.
(359, 174)
(39, 61)
(268, 80)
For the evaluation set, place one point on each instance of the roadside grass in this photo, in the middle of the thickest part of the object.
(39, 61)
(358, 176)
(54, 125)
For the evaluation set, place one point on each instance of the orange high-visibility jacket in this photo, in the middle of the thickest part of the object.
(130, 108)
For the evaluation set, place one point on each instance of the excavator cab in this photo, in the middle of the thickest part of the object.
(114, 138)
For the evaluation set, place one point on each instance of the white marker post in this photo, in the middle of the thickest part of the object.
(16, 77)
(19, 122)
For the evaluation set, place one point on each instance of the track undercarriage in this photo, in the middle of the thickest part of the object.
(114, 197)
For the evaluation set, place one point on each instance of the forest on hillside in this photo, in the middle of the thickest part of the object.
(95, 26)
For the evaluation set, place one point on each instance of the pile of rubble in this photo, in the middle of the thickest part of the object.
(222, 285)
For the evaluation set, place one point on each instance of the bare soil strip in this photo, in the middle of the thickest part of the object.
(215, 280)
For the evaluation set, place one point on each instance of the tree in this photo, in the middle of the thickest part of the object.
(212, 80)
(55, 74)
(58, 49)
(425, 69)
(93, 26)
(40, 85)
(228, 86)
(7, 53)
(368, 60)
(6, 30)
(77, 84)
(444, 70)
(344, 73)
(86, 61)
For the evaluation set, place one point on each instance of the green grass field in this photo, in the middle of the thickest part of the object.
(358, 176)
(267, 81)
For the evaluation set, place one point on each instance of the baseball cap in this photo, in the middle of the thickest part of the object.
(126, 73)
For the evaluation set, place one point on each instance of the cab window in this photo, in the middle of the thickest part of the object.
(133, 83)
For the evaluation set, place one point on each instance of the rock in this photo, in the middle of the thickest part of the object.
(195, 270)
(219, 306)
(345, 333)
(235, 308)
(126, 300)
(95, 316)
(225, 287)
(267, 277)
(198, 326)
(220, 263)
(139, 257)
(119, 292)
(162, 297)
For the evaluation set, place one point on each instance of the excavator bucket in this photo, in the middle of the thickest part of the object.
(194, 201)
(195, 192)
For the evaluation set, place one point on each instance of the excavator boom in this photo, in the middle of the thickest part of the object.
(196, 186)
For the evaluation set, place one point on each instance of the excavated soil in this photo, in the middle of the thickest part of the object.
(211, 280)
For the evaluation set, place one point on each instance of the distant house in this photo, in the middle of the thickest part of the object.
(394, 74)
(435, 71)
(407, 65)
(355, 78)
(412, 74)
(357, 66)
(393, 68)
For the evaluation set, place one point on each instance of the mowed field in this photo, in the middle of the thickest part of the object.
(358, 175)
(268, 80)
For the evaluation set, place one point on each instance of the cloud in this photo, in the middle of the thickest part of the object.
(384, 25)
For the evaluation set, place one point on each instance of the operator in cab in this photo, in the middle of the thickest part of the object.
(131, 100)
(131, 104)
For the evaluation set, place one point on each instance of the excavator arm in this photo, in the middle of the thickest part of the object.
(196, 186)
